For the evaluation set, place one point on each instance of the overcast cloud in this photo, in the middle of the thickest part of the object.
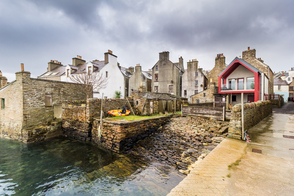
(34, 32)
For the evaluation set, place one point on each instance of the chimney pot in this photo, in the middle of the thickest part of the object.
(79, 57)
(22, 67)
(109, 51)
(0, 73)
(138, 64)
(248, 48)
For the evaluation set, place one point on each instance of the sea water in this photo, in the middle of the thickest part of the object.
(63, 166)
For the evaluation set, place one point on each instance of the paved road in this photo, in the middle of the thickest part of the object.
(288, 108)
(265, 166)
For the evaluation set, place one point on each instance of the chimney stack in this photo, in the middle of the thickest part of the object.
(22, 67)
(0, 73)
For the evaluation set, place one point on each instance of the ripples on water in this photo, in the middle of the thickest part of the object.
(67, 167)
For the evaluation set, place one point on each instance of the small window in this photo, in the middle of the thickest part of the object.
(48, 100)
(89, 70)
(197, 101)
(156, 67)
(156, 89)
(290, 88)
(196, 91)
(107, 74)
(184, 93)
(279, 87)
(204, 94)
(196, 73)
(3, 104)
(234, 98)
(156, 77)
(170, 88)
(196, 83)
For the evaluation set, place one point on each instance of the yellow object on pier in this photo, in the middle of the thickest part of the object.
(118, 112)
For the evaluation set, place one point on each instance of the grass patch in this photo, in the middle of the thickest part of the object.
(228, 175)
(134, 117)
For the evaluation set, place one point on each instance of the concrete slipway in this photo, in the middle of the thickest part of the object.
(264, 166)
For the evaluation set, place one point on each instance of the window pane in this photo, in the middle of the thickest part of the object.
(241, 84)
(232, 84)
(250, 83)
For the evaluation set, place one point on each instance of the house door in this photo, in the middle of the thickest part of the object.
(250, 98)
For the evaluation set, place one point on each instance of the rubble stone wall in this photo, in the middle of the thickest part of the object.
(253, 113)
(204, 111)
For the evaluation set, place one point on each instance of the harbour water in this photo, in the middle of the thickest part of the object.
(63, 166)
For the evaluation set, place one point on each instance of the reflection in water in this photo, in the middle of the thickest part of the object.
(65, 167)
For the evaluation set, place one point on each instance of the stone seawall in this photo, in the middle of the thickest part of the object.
(121, 136)
(253, 113)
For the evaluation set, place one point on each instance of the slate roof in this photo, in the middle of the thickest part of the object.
(59, 71)
(147, 75)
(165, 96)
(279, 81)
(125, 72)
(242, 61)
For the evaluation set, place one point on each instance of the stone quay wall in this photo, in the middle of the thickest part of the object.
(78, 116)
(253, 113)
(121, 136)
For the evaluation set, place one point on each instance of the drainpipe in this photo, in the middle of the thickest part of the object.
(243, 128)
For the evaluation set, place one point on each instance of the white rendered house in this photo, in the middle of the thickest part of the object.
(108, 68)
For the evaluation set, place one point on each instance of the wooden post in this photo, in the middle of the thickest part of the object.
(223, 113)
(243, 128)
(130, 106)
(174, 106)
(100, 121)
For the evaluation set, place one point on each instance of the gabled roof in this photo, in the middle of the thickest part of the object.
(147, 75)
(234, 65)
(59, 71)
(279, 81)
(125, 72)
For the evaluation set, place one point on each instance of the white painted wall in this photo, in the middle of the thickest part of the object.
(240, 72)
(116, 78)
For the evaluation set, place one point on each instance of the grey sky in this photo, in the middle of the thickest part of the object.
(34, 32)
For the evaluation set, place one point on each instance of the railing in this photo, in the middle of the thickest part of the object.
(271, 96)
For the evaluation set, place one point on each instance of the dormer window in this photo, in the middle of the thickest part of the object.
(156, 67)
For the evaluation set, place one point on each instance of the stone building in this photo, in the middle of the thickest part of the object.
(147, 103)
(28, 103)
(3, 80)
(140, 80)
(250, 57)
(207, 96)
(167, 76)
(194, 80)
